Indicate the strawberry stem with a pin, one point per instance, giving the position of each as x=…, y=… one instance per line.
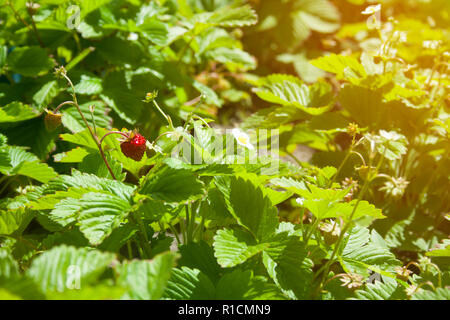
x=143, y=235
x=169, y=120
x=62, y=104
x=113, y=132
x=94, y=136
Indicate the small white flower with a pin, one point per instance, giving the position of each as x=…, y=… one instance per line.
x=391, y=135
x=300, y=201
x=434, y=83
x=133, y=36
x=372, y=9
x=154, y=146
x=431, y=44
x=412, y=289
x=400, y=36
x=242, y=138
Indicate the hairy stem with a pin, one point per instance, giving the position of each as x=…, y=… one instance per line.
x=169, y=120
x=33, y=24
x=63, y=104
x=94, y=136
x=310, y=233
x=338, y=244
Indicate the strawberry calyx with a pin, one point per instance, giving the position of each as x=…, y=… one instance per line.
x=52, y=120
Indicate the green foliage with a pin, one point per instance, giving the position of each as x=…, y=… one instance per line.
x=146, y=280
x=288, y=90
x=29, y=61
x=53, y=269
x=381, y=291
x=137, y=190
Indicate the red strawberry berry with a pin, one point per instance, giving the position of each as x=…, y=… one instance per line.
x=134, y=147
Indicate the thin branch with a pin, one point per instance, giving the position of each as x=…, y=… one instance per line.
x=94, y=136
x=30, y=13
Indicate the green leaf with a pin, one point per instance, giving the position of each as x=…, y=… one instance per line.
x=90, y=6
x=58, y=269
x=242, y=285
x=118, y=238
x=71, y=237
x=192, y=284
x=146, y=280
x=233, y=17
x=119, y=95
x=94, y=164
x=3, y=140
x=439, y=294
x=364, y=105
x=18, y=155
x=189, y=284
x=289, y=184
x=93, y=292
x=440, y=250
x=16, y=161
x=216, y=38
x=200, y=256
x=33, y=134
x=154, y=30
x=252, y=209
x=90, y=182
x=342, y=66
x=290, y=91
x=210, y=96
x=153, y=210
x=287, y=264
x=3, y=54
x=276, y=197
x=305, y=70
x=119, y=52
x=232, y=57
x=363, y=253
x=14, y=220
x=8, y=266
x=29, y=61
x=317, y=15
x=233, y=247
x=20, y=288
x=261, y=288
x=82, y=138
x=46, y=93
x=7, y=295
x=89, y=85
x=364, y=209
x=48, y=201
x=36, y=170
x=100, y=213
x=322, y=202
x=80, y=57
x=381, y=291
x=16, y=111
x=96, y=213
x=75, y=155
x=72, y=120
x=172, y=185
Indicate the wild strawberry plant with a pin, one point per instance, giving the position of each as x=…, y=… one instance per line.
x=224, y=150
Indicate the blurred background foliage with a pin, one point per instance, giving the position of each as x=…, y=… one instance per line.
x=306, y=67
